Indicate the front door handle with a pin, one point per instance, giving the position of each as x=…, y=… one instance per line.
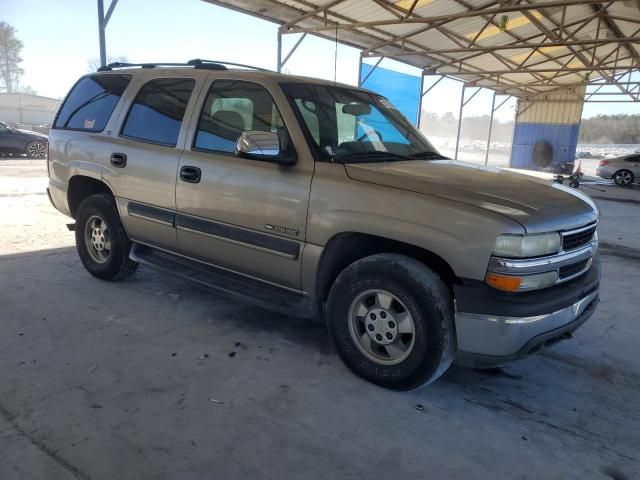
x=190, y=174
x=119, y=160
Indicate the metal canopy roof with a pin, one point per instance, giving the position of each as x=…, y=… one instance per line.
x=523, y=48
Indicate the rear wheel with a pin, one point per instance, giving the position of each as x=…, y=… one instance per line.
x=623, y=178
x=102, y=243
x=391, y=320
x=36, y=150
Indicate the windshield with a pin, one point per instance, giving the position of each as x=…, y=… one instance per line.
x=351, y=125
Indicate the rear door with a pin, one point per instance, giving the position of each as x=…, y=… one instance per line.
x=245, y=215
x=144, y=154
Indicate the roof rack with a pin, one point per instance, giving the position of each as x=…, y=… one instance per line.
x=195, y=63
x=204, y=63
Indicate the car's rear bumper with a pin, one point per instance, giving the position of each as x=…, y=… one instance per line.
x=520, y=323
x=604, y=173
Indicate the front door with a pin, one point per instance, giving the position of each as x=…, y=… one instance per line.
x=248, y=216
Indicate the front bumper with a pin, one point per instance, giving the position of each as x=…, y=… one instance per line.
x=520, y=323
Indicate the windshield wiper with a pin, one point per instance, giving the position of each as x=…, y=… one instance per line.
x=428, y=156
x=374, y=155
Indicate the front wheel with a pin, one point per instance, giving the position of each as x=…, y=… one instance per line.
x=391, y=320
x=102, y=243
x=623, y=178
x=36, y=149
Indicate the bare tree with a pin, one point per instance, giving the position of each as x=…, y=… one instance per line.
x=10, y=48
x=94, y=63
x=26, y=89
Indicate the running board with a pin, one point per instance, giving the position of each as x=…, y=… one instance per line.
x=232, y=284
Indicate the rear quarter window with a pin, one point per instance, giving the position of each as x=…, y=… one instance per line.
x=91, y=102
x=157, y=111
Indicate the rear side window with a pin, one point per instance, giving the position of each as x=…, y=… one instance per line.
x=156, y=113
x=91, y=102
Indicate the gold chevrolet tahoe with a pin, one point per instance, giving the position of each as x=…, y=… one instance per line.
x=321, y=200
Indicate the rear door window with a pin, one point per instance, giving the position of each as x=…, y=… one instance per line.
x=91, y=102
x=157, y=112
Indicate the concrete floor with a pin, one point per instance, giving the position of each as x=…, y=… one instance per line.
x=155, y=379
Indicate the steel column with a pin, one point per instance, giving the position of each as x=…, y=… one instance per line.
x=420, y=102
x=464, y=87
x=493, y=109
x=279, y=60
x=101, y=35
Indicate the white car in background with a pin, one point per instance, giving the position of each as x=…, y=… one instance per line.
x=623, y=170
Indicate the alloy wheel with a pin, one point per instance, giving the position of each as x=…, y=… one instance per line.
x=97, y=239
x=381, y=327
x=37, y=150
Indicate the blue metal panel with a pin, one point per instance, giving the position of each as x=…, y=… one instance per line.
x=563, y=139
x=402, y=90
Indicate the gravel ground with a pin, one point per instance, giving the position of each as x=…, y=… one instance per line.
x=152, y=378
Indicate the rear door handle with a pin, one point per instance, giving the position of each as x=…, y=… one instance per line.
x=190, y=174
x=119, y=160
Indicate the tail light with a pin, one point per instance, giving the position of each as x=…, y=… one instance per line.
x=603, y=163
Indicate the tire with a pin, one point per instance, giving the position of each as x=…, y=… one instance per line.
x=574, y=184
x=36, y=149
x=411, y=357
x=623, y=178
x=102, y=243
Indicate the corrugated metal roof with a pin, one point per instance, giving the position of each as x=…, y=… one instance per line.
x=527, y=49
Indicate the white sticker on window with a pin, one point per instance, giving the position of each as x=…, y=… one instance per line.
x=89, y=123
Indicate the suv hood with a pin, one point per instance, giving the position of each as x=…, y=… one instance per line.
x=537, y=204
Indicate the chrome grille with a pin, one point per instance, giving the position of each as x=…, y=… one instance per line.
x=575, y=269
x=577, y=238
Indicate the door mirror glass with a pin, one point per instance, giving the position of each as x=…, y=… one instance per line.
x=256, y=145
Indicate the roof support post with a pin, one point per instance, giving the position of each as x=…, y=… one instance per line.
x=464, y=87
x=103, y=21
x=101, y=35
x=279, y=59
x=420, y=102
x=493, y=110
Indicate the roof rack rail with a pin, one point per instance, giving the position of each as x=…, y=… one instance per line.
x=195, y=63
x=191, y=63
x=199, y=61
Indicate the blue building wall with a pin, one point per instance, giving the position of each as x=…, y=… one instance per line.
x=402, y=90
x=562, y=137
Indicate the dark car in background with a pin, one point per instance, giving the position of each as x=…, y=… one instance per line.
x=14, y=141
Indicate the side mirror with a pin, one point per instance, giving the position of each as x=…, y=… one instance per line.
x=256, y=145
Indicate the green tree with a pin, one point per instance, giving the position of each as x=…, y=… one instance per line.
x=10, y=59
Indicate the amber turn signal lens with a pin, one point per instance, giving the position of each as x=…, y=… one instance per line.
x=504, y=282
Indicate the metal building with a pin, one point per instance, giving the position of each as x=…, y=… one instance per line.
x=23, y=108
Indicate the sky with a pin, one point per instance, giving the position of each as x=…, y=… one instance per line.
x=59, y=45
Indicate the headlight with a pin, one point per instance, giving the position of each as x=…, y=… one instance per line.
x=521, y=283
x=527, y=245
